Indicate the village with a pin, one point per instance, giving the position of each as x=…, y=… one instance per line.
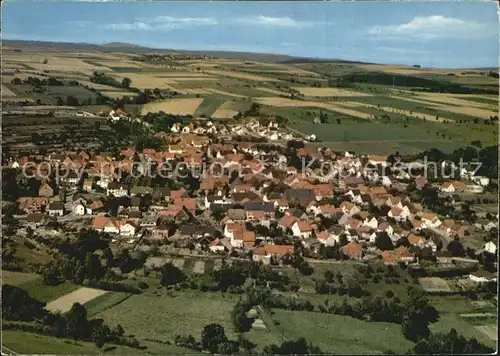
x=250, y=200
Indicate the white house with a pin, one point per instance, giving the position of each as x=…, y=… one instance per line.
x=398, y=213
x=127, y=229
x=175, y=127
x=56, y=208
x=490, y=247
x=117, y=189
x=302, y=229
x=430, y=220
x=111, y=226
x=373, y=222
x=80, y=207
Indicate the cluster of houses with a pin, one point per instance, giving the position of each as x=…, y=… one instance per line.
x=317, y=209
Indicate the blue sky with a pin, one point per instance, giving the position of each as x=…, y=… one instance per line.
x=439, y=34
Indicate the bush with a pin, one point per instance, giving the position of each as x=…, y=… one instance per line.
x=143, y=285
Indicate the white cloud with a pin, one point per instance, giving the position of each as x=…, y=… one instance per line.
x=185, y=20
x=79, y=23
x=128, y=26
x=285, y=22
x=162, y=23
x=430, y=27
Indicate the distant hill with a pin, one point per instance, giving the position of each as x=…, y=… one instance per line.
x=122, y=45
x=132, y=48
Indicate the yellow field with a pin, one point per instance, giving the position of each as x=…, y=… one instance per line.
x=271, y=91
x=280, y=70
x=17, y=278
x=217, y=91
x=225, y=111
x=174, y=106
x=122, y=63
x=239, y=75
x=455, y=99
x=196, y=91
x=81, y=295
x=6, y=92
x=328, y=92
x=453, y=104
x=63, y=64
x=12, y=66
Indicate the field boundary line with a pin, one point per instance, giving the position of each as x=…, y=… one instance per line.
x=112, y=305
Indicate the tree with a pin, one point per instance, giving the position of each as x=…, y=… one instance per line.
x=171, y=275
x=418, y=314
x=456, y=248
x=126, y=82
x=450, y=343
x=218, y=214
x=384, y=242
x=403, y=241
x=72, y=101
x=476, y=143
x=212, y=337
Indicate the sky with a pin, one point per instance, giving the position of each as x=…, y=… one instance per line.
x=437, y=34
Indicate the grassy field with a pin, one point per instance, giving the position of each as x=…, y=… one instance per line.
x=378, y=136
x=18, y=278
x=105, y=301
x=208, y=106
x=341, y=334
x=450, y=308
x=168, y=314
x=28, y=343
x=49, y=97
x=38, y=290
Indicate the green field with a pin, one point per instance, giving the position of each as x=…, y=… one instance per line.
x=450, y=308
x=33, y=284
x=49, y=96
x=208, y=106
x=38, y=290
x=381, y=137
x=105, y=301
x=28, y=343
x=168, y=314
x=341, y=334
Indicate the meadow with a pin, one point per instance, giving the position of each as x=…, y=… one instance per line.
x=341, y=334
x=165, y=314
x=29, y=343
